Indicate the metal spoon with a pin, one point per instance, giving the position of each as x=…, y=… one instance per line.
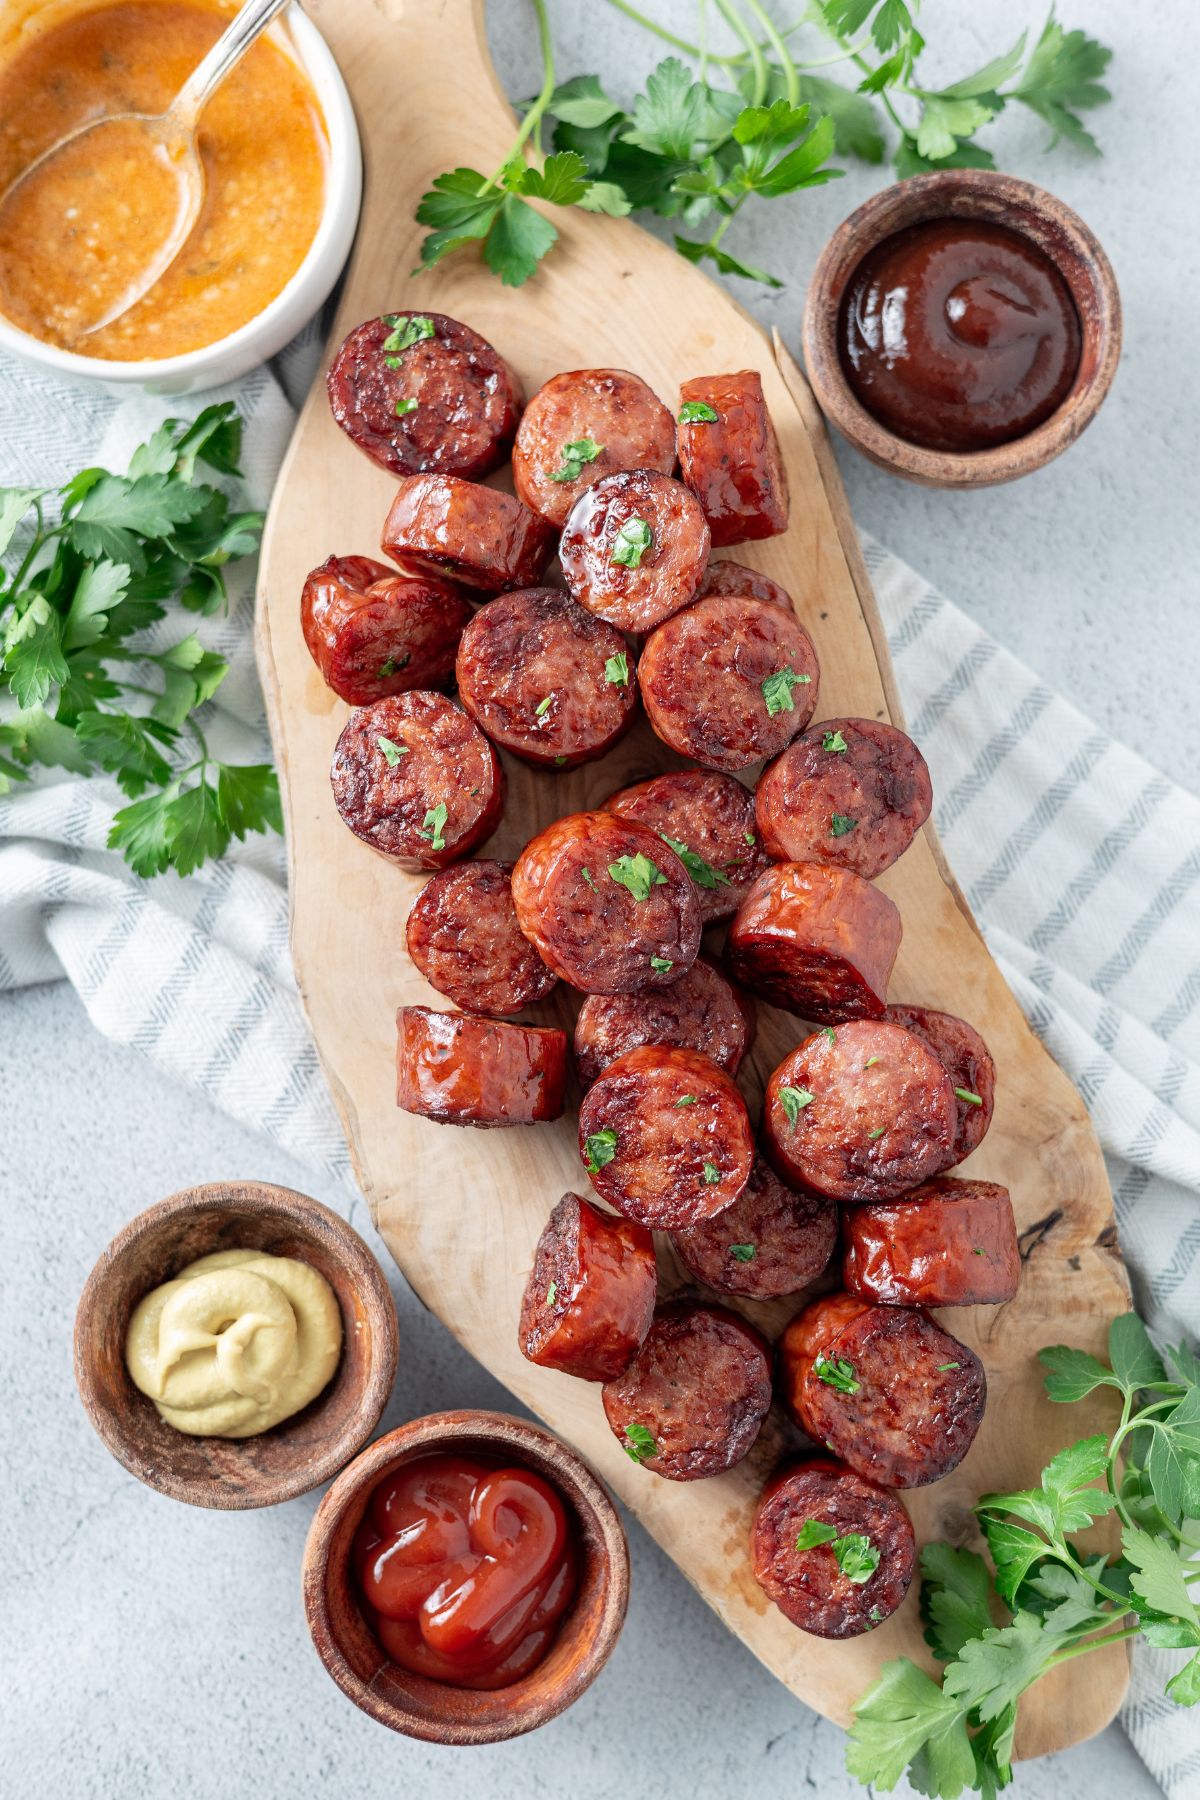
x=171, y=136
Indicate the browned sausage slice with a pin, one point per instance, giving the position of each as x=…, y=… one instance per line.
x=417, y=780
x=862, y=1112
x=583, y=425
x=607, y=905
x=692, y=1401
x=708, y=820
x=702, y=1011
x=473, y=534
x=725, y=576
x=634, y=549
x=947, y=1243
x=851, y=792
x=771, y=1241
x=666, y=1138
x=882, y=1387
x=420, y=392
x=818, y=941
x=545, y=679
x=372, y=632
x=589, y=1299
x=458, y=1069
x=463, y=936
x=729, y=681
x=968, y=1062
x=835, y=1553
x=729, y=456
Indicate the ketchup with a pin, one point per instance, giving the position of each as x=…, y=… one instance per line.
x=958, y=335
x=466, y=1569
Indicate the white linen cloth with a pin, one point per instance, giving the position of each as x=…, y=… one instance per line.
x=1080, y=860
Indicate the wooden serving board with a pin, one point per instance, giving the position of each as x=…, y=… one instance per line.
x=462, y=1210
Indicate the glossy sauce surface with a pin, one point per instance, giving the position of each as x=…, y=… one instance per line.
x=466, y=1569
x=262, y=143
x=958, y=335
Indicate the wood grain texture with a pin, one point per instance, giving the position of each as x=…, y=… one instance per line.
x=462, y=1210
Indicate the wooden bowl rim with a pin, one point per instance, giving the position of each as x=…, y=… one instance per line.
x=312, y=1219
x=490, y=1431
x=954, y=192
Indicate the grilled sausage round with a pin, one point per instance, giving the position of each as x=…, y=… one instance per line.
x=835, y=1553
x=820, y=942
x=732, y=462
x=416, y=780
x=851, y=792
x=729, y=681
x=861, y=1113
x=582, y=426
x=589, y=1299
x=724, y=576
x=634, y=548
x=947, y=1243
x=463, y=936
x=607, y=905
x=702, y=1011
x=771, y=1241
x=462, y=1070
x=968, y=1062
x=372, y=632
x=545, y=679
x=883, y=1388
x=692, y=1401
x=708, y=820
x=473, y=534
x=665, y=1137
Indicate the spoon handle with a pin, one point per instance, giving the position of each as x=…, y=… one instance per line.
x=251, y=21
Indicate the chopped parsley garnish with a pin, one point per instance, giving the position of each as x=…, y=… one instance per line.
x=943, y=1367
x=638, y=874
x=877, y=1133
x=435, y=819
x=404, y=407
x=837, y=1373
x=834, y=741
x=840, y=824
x=392, y=664
x=407, y=332
x=543, y=706
x=551, y=1293
x=601, y=1147
x=631, y=543
x=793, y=1101
x=970, y=1098
x=697, y=412
x=777, y=690
x=587, y=876
x=830, y=1033
x=814, y=1532
x=749, y=837
x=857, y=1557
x=660, y=964
x=870, y=1062
x=393, y=752
x=701, y=872
x=711, y=1174
x=616, y=670
x=743, y=1252
x=574, y=455
x=686, y=1100
x=560, y=762
x=977, y=1251
x=639, y=1443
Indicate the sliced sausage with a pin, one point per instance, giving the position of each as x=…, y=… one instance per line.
x=771, y=1241
x=462, y=1070
x=883, y=1388
x=727, y=577
x=607, y=905
x=708, y=820
x=968, y=1062
x=947, y=1243
x=692, y=1401
x=702, y=1011
x=463, y=936
x=419, y=392
x=582, y=426
x=820, y=942
x=417, y=780
x=732, y=462
x=485, y=539
x=835, y=1553
x=589, y=1299
x=545, y=679
x=863, y=1112
x=851, y=792
x=372, y=632
x=730, y=681
x=634, y=548
x=666, y=1138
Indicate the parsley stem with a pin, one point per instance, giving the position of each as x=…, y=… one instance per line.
x=753, y=49
x=791, y=80
x=702, y=40
x=203, y=743
x=531, y=124
x=660, y=31
x=1095, y=1643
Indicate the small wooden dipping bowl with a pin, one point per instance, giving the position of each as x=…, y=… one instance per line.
x=979, y=194
x=434, y=1710
x=292, y=1457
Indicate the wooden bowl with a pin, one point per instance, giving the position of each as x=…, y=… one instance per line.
x=433, y=1710
x=999, y=200
x=292, y=1457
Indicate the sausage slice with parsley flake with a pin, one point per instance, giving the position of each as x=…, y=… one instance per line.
x=708, y=820
x=771, y=1241
x=581, y=426
x=852, y=792
x=729, y=456
x=968, y=1062
x=372, y=632
x=702, y=1011
x=835, y=1553
x=590, y=1296
x=634, y=549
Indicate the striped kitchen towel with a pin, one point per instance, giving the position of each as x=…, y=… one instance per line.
x=1080, y=860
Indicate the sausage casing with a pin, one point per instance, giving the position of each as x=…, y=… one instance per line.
x=835, y=1553
x=590, y=1296
x=947, y=1243
x=820, y=942
x=732, y=463
x=445, y=526
x=459, y=1069
x=702, y=1011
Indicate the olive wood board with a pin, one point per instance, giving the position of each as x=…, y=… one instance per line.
x=461, y=1210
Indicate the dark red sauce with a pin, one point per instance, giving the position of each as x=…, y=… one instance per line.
x=958, y=335
x=466, y=1569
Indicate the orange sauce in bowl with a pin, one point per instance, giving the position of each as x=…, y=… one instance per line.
x=264, y=150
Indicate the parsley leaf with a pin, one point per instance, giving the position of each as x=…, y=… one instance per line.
x=392, y=752
x=601, y=1147
x=408, y=331
x=1061, y=80
x=903, y=1716
x=743, y=1253
x=712, y=1174
x=837, y=1373
x=638, y=874
x=777, y=690
x=639, y=1443
x=575, y=455
x=793, y=1101
x=857, y=1557
x=697, y=412
x=661, y=964
x=631, y=543
x=813, y=1532
x=701, y=872
x=672, y=113
x=841, y=824
x=616, y=670
x=432, y=827
x=834, y=742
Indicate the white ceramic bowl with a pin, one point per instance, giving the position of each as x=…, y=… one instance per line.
x=293, y=306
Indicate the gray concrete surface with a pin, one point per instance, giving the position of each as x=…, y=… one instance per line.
x=154, y=1650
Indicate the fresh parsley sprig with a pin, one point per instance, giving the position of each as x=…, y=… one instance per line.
x=94, y=564
x=1044, y=1600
